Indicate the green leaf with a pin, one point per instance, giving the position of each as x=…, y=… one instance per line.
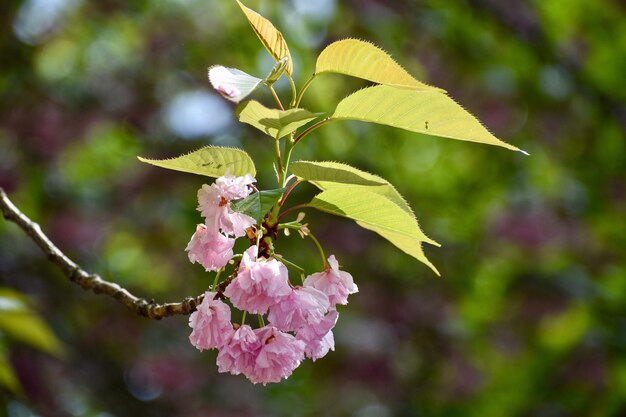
x=21, y=323
x=427, y=112
x=7, y=376
x=364, y=60
x=326, y=175
x=274, y=122
x=212, y=161
x=377, y=213
x=232, y=83
x=258, y=204
x=269, y=36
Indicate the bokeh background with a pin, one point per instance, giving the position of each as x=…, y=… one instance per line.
x=529, y=317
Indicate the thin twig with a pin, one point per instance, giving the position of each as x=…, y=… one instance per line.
x=89, y=281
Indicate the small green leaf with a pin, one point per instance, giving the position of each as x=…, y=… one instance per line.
x=269, y=36
x=258, y=204
x=364, y=60
x=377, y=213
x=428, y=112
x=21, y=323
x=274, y=122
x=326, y=175
x=231, y=83
x=211, y=161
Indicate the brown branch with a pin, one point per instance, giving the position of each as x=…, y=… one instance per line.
x=89, y=281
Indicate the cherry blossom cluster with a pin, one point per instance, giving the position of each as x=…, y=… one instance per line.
x=300, y=318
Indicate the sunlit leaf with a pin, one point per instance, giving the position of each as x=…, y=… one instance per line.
x=326, y=175
x=211, y=161
x=231, y=83
x=22, y=324
x=258, y=204
x=271, y=38
x=364, y=60
x=274, y=122
x=427, y=112
x=377, y=213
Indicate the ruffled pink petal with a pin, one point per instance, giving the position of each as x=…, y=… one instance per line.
x=279, y=355
x=318, y=339
x=212, y=250
x=234, y=188
x=239, y=354
x=336, y=284
x=259, y=284
x=214, y=205
x=210, y=323
x=305, y=306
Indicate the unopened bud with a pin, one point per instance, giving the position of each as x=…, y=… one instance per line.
x=277, y=71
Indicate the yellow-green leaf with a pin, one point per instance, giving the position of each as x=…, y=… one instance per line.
x=8, y=379
x=326, y=175
x=274, y=122
x=270, y=37
x=21, y=323
x=428, y=112
x=377, y=213
x=212, y=161
x=364, y=60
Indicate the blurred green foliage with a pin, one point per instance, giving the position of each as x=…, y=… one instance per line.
x=529, y=318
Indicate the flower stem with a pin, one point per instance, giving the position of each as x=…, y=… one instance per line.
x=319, y=247
x=215, y=281
x=243, y=317
x=289, y=263
x=261, y=321
x=297, y=226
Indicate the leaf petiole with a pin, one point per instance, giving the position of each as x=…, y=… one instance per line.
x=311, y=128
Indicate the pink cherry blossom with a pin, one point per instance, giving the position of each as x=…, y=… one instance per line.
x=212, y=250
x=259, y=283
x=305, y=306
x=228, y=91
x=214, y=204
x=334, y=283
x=210, y=323
x=234, y=188
x=279, y=355
x=319, y=338
x=240, y=353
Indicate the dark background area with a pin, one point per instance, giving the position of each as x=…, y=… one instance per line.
x=529, y=316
